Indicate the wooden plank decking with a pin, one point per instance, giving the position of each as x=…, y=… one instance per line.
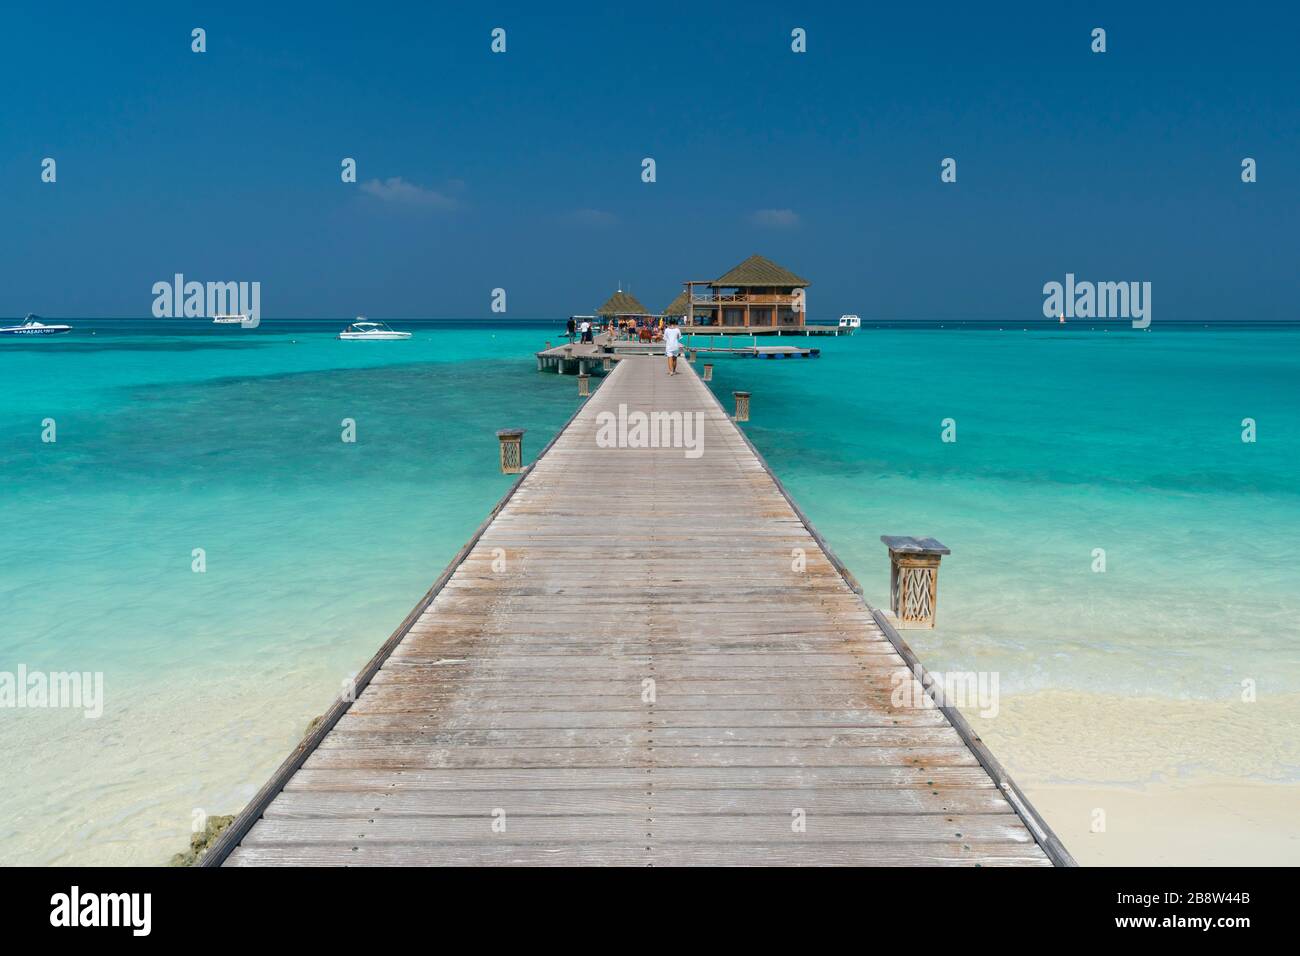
x=513, y=720
x=589, y=357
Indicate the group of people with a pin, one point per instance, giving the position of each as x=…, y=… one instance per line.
x=656, y=331
x=583, y=329
x=648, y=329
x=669, y=334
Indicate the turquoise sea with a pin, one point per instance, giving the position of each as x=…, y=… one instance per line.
x=1068, y=440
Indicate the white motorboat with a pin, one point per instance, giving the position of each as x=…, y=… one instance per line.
x=229, y=319
x=32, y=325
x=364, y=331
x=850, y=322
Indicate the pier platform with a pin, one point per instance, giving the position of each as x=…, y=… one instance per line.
x=589, y=357
x=642, y=658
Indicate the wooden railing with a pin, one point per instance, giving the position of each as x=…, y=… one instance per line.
x=771, y=299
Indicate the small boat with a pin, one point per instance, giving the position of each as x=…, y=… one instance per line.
x=1061, y=318
x=32, y=325
x=850, y=322
x=362, y=330
x=229, y=319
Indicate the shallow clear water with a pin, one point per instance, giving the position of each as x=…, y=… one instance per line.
x=1067, y=441
x=229, y=441
x=315, y=549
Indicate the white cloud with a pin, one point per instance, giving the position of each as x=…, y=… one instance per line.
x=398, y=191
x=775, y=218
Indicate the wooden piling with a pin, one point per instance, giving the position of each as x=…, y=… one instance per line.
x=512, y=450
x=914, y=578
x=708, y=371
x=584, y=385
x=742, y=406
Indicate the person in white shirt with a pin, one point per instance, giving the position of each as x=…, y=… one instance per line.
x=585, y=329
x=672, y=345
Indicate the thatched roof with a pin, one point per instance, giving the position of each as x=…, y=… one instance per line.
x=761, y=272
x=622, y=303
x=678, y=307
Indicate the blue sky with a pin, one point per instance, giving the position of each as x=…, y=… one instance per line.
x=522, y=170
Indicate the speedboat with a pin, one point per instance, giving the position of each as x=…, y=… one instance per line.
x=32, y=325
x=362, y=330
x=850, y=322
x=229, y=319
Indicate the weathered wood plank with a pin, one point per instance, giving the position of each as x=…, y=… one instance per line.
x=438, y=719
x=434, y=757
x=401, y=697
x=349, y=737
x=642, y=854
x=823, y=800
x=783, y=827
x=660, y=779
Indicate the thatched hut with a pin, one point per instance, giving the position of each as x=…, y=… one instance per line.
x=622, y=305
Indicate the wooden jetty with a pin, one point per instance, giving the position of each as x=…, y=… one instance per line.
x=642, y=658
x=738, y=351
x=577, y=358
x=582, y=358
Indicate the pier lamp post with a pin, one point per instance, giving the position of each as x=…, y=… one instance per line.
x=742, y=406
x=512, y=450
x=914, y=578
x=584, y=385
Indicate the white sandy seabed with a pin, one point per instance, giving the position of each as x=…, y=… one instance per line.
x=1163, y=782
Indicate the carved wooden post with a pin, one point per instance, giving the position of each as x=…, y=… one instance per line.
x=609, y=363
x=584, y=385
x=742, y=406
x=914, y=578
x=690, y=356
x=512, y=450
x=708, y=372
